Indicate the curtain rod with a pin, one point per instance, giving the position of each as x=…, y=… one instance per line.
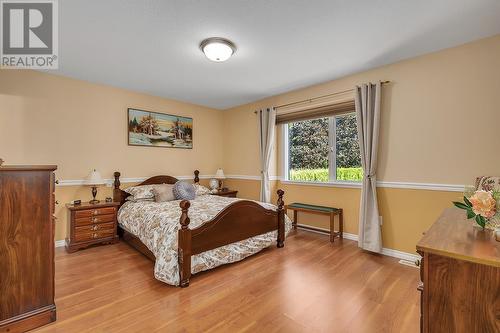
x=318, y=97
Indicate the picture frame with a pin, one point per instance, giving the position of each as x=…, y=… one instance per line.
x=154, y=129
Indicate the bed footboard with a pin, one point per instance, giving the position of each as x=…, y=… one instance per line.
x=238, y=221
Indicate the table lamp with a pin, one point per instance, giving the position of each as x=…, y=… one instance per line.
x=219, y=175
x=94, y=179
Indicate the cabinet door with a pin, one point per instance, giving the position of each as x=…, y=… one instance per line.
x=463, y=296
x=26, y=242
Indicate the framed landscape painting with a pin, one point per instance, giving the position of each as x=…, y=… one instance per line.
x=153, y=129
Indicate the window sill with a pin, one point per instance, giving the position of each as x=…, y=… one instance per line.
x=340, y=184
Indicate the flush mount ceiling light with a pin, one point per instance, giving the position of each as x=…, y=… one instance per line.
x=217, y=49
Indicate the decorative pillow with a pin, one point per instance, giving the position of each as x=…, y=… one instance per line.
x=200, y=189
x=142, y=192
x=164, y=192
x=488, y=183
x=184, y=191
x=131, y=198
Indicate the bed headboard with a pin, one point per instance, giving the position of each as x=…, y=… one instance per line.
x=119, y=195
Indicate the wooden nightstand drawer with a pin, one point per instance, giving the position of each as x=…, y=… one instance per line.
x=94, y=219
x=95, y=227
x=94, y=212
x=95, y=235
x=90, y=224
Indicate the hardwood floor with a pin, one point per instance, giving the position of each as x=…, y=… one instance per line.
x=310, y=285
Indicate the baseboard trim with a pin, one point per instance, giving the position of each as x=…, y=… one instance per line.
x=385, y=251
x=353, y=237
x=401, y=255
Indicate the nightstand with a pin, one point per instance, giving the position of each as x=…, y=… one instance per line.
x=90, y=224
x=228, y=194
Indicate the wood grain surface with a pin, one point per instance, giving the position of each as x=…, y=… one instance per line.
x=26, y=247
x=460, y=271
x=310, y=285
x=456, y=237
x=463, y=296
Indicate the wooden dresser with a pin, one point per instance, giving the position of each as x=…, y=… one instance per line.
x=460, y=273
x=26, y=247
x=90, y=224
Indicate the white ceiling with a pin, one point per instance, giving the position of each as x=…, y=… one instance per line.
x=152, y=46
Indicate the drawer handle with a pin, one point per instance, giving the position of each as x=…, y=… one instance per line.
x=95, y=227
x=95, y=219
x=95, y=212
x=94, y=235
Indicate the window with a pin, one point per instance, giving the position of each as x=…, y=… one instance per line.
x=323, y=150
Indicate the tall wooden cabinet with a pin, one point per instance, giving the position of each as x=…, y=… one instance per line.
x=26, y=247
x=460, y=273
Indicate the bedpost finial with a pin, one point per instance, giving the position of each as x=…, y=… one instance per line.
x=280, y=198
x=185, y=204
x=196, y=176
x=184, y=219
x=117, y=179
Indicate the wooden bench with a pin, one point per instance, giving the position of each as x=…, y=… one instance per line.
x=323, y=210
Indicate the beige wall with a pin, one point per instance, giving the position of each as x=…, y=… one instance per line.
x=439, y=125
x=47, y=119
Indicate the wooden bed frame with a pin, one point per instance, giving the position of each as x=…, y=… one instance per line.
x=238, y=221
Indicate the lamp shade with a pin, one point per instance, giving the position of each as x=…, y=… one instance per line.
x=94, y=178
x=220, y=174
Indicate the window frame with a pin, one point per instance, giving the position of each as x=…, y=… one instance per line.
x=332, y=158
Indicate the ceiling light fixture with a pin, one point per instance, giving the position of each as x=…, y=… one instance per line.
x=217, y=49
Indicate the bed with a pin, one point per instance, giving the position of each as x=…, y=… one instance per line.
x=187, y=237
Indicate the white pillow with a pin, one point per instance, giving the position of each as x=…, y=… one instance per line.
x=164, y=192
x=200, y=189
x=139, y=193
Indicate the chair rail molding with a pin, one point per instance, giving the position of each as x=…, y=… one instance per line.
x=339, y=184
x=109, y=182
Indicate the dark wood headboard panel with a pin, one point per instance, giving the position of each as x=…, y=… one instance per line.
x=119, y=195
x=159, y=180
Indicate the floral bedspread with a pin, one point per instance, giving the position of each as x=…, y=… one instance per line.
x=156, y=225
